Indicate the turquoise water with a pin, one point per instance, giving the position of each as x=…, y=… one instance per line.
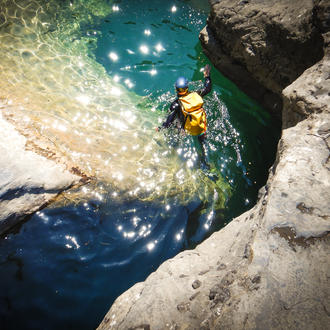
x=64, y=267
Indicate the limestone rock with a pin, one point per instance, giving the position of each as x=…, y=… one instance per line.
x=263, y=45
x=267, y=269
x=27, y=180
x=309, y=94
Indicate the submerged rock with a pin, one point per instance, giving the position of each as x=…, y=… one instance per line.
x=28, y=181
x=267, y=269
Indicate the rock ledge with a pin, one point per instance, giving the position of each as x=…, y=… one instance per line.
x=28, y=181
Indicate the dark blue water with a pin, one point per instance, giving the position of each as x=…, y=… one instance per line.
x=64, y=267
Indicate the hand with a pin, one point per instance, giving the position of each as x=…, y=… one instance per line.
x=206, y=71
x=157, y=129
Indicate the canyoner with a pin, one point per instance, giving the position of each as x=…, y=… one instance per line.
x=188, y=109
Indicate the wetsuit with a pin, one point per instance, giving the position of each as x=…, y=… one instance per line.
x=177, y=112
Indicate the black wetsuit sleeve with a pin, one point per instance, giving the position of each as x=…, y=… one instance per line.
x=207, y=87
x=175, y=112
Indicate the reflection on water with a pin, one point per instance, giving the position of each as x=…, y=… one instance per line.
x=59, y=91
x=92, y=79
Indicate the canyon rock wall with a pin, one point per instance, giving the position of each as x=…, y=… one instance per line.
x=268, y=268
x=263, y=46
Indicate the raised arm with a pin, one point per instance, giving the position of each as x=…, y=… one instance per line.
x=207, y=82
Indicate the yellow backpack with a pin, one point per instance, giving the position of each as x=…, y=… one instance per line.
x=194, y=114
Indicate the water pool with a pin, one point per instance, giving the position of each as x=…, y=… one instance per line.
x=95, y=78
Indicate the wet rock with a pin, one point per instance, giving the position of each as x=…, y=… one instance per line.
x=28, y=181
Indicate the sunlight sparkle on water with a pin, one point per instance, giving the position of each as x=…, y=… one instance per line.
x=118, y=125
x=115, y=8
x=178, y=236
x=73, y=240
x=153, y=72
x=129, y=115
x=136, y=221
x=59, y=127
x=128, y=83
x=84, y=99
x=147, y=32
x=43, y=216
x=159, y=47
x=190, y=163
x=210, y=216
x=151, y=246
x=84, y=190
x=130, y=234
x=113, y=56
x=144, y=49
x=120, y=176
x=98, y=196
x=115, y=91
x=173, y=9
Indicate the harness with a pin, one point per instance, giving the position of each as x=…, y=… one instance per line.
x=194, y=115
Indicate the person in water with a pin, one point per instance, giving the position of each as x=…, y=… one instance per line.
x=188, y=108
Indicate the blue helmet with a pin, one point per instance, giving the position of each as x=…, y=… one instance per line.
x=181, y=85
x=181, y=82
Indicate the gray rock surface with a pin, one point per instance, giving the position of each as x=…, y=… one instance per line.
x=262, y=45
x=28, y=181
x=268, y=268
x=309, y=94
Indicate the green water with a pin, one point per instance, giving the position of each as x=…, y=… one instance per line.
x=93, y=79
